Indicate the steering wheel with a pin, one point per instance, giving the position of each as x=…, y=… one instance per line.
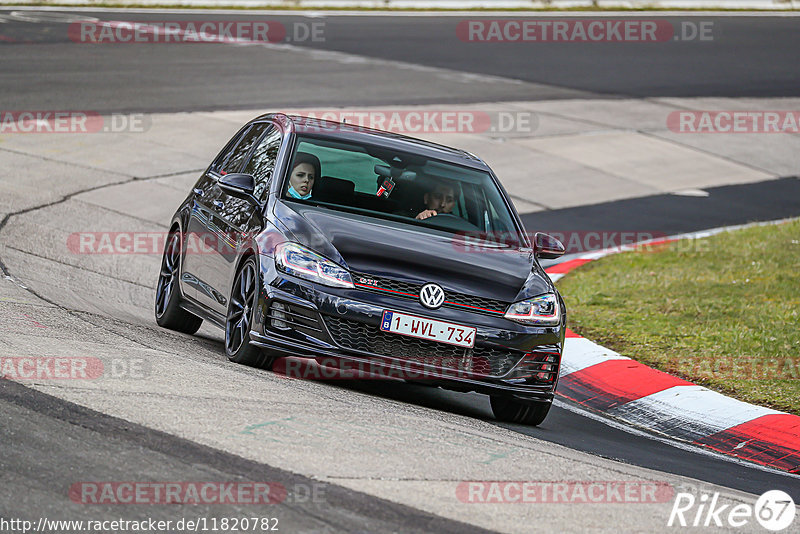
x=452, y=221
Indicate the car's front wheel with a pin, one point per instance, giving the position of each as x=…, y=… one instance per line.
x=513, y=411
x=169, y=313
x=237, y=321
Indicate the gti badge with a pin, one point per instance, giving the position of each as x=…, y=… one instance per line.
x=431, y=296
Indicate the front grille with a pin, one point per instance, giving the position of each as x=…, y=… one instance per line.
x=461, y=300
x=478, y=361
x=393, y=285
x=411, y=290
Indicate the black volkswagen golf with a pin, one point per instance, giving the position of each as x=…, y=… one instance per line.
x=316, y=239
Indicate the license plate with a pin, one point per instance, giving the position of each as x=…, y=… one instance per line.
x=431, y=329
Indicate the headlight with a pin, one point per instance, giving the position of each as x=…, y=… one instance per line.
x=301, y=262
x=541, y=310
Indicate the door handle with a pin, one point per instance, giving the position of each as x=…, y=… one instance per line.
x=197, y=191
x=218, y=204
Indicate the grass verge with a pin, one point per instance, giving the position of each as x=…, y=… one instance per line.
x=723, y=311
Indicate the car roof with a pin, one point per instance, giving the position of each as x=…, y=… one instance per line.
x=362, y=134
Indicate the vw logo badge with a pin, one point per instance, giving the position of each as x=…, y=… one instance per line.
x=431, y=296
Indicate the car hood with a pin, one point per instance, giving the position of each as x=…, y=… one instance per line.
x=394, y=250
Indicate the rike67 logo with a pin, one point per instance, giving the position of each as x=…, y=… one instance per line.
x=774, y=510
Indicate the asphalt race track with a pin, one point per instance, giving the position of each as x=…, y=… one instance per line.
x=189, y=77
x=184, y=423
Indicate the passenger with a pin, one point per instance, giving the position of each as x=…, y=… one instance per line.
x=305, y=171
x=440, y=199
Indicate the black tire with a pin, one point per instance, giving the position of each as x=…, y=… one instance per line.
x=239, y=319
x=168, y=311
x=513, y=411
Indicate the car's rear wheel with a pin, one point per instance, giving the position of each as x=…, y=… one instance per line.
x=237, y=321
x=513, y=411
x=169, y=313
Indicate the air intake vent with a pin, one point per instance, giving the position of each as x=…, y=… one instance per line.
x=285, y=316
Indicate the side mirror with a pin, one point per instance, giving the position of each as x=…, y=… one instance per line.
x=239, y=185
x=547, y=247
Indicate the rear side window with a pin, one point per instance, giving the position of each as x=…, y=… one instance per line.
x=225, y=155
x=232, y=159
x=262, y=163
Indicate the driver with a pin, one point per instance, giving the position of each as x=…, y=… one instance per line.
x=440, y=199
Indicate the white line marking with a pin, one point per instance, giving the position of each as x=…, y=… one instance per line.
x=49, y=17
x=581, y=353
x=691, y=193
x=693, y=411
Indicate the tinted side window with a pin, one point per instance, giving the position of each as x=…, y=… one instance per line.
x=234, y=163
x=222, y=160
x=262, y=163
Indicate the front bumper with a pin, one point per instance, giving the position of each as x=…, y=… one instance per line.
x=298, y=318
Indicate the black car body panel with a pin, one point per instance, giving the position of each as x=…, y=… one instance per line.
x=388, y=261
x=398, y=251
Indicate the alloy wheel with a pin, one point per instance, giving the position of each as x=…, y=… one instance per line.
x=237, y=324
x=168, y=275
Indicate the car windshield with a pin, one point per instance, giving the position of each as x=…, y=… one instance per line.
x=403, y=187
